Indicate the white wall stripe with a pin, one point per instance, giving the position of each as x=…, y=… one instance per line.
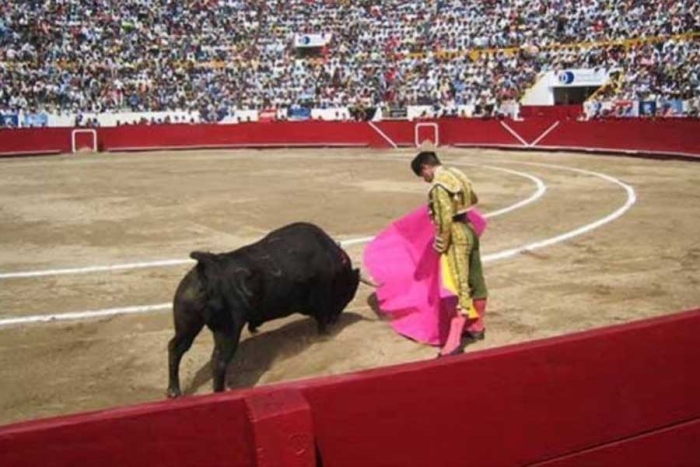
x=514, y=133
x=383, y=135
x=546, y=132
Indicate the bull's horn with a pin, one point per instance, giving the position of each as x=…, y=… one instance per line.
x=368, y=281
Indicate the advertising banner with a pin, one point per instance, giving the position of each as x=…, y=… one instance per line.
x=672, y=108
x=647, y=108
x=298, y=113
x=625, y=108
x=311, y=40
x=395, y=113
x=9, y=120
x=268, y=115
x=579, y=77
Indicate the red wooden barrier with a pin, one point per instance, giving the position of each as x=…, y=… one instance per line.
x=210, y=431
x=520, y=404
x=556, y=112
x=268, y=134
x=22, y=141
x=282, y=427
x=674, y=446
x=619, y=395
x=669, y=136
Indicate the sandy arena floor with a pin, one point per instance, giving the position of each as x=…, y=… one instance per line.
x=89, y=210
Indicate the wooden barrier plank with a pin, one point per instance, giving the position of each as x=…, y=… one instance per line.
x=203, y=431
x=677, y=446
x=633, y=136
x=282, y=428
x=515, y=405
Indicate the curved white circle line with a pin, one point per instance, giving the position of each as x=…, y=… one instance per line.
x=541, y=189
x=631, y=199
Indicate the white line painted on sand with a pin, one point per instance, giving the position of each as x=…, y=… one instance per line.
x=541, y=188
x=631, y=199
x=85, y=270
x=106, y=313
x=84, y=314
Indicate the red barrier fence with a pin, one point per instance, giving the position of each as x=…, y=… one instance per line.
x=622, y=395
x=669, y=136
x=559, y=112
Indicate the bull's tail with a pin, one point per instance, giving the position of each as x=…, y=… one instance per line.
x=201, y=256
x=206, y=268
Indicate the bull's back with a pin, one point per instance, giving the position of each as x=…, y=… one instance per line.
x=301, y=247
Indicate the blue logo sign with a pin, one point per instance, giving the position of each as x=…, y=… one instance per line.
x=306, y=40
x=647, y=108
x=566, y=77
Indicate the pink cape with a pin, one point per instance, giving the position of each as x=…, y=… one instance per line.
x=402, y=260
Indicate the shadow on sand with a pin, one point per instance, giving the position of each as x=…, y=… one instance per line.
x=256, y=354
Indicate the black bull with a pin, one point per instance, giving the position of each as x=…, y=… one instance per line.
x=297, y=268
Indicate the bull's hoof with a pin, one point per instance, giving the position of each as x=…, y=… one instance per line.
x=173, y=393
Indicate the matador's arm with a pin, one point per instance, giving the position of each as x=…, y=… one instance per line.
x=442, y=213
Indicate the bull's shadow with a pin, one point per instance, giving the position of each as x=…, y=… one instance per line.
x=256, y=353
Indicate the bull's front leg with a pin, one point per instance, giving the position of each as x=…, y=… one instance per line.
x=225, y=345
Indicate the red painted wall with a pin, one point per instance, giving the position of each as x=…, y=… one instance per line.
x=679, y=136
x=519, y=404
x=623, y=395
x=561, y=112
x=34, y=141
x=210, y=431
x=669, y=136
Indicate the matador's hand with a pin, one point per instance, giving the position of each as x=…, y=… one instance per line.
x=466, y=308
x=439, y=245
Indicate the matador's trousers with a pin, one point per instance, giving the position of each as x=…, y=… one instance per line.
x=464, y=259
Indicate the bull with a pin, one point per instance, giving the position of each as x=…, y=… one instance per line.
x=297, y=268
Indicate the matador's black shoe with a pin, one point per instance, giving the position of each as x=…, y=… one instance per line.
x=469, y=337
x=457, y=351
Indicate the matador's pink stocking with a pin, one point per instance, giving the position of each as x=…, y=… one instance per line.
x=454, y=338
x=477, y=325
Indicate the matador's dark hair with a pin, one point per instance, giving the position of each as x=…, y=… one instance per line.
x=424, y=158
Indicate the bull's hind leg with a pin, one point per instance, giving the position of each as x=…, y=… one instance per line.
x=186, y=329
x=225, y=345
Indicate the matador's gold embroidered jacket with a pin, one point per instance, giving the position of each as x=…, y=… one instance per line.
x=451, y=195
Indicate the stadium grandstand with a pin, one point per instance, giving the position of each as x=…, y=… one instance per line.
x=68, y=62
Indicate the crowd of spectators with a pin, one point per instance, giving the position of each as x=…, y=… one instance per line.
x=214, y=56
